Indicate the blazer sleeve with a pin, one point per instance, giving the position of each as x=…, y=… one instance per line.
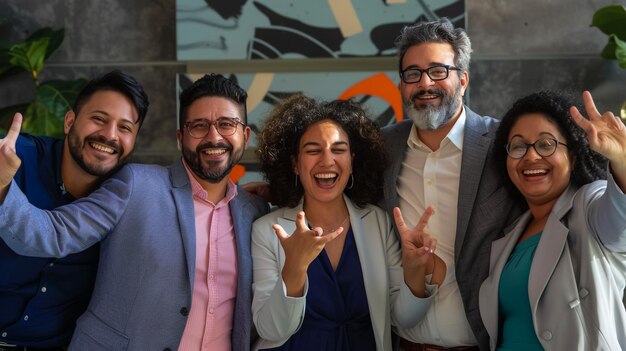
x=606, y=215
x=68, y=229
x=275, y=315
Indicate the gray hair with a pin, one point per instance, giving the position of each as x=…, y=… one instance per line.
x=439, y=31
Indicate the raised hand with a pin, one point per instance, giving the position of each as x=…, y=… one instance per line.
x=301, y=248
x=606, y=132
x=417, y=244
x=9, y=162
x=606, y=135
x=418, y=258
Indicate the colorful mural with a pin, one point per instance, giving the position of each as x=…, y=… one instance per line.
x=377, y=91
x=264, y=29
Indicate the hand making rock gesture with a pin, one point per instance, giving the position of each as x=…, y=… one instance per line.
x=301, y=248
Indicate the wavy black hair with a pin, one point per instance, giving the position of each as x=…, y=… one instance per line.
x=118, y=81
x=588, y=164
x=279, y=143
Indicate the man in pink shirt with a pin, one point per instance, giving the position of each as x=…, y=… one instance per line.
x=175, y=270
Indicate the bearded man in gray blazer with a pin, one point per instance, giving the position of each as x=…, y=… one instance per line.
x=441, y=157
x=175, y=267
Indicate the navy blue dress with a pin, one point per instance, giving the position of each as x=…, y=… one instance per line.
x=337, y=315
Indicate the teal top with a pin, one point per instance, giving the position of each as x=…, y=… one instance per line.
x=516, y=328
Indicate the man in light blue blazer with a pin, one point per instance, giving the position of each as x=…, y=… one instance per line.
x=151, y=221
x=441, y=157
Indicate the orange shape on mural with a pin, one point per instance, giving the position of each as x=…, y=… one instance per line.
x=381, y=86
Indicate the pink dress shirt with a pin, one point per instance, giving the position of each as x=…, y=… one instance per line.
x=210, y=320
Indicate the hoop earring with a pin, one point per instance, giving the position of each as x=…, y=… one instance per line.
x=296, y=182
x=351, y=181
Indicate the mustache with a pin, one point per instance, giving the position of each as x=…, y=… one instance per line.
x=438, y=92
x=210, y=145
x=104, y=141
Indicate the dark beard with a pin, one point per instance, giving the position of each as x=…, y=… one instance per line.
x=209, y=173
x=98, y=170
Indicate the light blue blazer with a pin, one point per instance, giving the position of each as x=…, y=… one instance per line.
x=485, y=207
x=144, y=218
x=578, y=274
x=390, y=301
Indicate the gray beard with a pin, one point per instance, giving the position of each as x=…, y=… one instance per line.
x=433, y=117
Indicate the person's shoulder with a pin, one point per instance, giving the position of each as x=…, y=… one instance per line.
x=258, y=203
x=471, y=117
x=396, y=127
x=30, y=143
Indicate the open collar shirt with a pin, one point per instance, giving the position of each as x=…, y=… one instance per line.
x=210, y=320
x=431, y=178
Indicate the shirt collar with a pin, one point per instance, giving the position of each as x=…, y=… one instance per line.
x=198, y=191
x=455, y=135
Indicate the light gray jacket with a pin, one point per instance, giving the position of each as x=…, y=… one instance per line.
x=578, y=273
x=390, y=301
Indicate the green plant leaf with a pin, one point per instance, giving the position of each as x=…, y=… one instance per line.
x=29, y=55
x=620, y=51
x=58, y=96
x=55, y=38
x=611, y=19
x=609, y=50
x=39, y=121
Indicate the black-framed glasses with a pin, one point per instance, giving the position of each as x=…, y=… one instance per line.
x=438, y=72
x=226, y=126
x=544, y=147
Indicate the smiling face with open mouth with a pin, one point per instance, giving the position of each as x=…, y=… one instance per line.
x=541, y=180
x=432, y=103
x=324, y=162
x=102, y=136
x=212, y=157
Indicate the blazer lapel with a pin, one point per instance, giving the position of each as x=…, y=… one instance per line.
x=181, y=192
x=396, y=144
x=500, y=251
x=365, y=227
x=550, y=248
x=475, y=148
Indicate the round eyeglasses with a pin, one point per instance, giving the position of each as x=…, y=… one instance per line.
x=544, y=147
x=438, y=72
x=226, y=126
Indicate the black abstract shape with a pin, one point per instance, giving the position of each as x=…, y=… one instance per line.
x=384, y=35
x=227, y=9
x=286, y=35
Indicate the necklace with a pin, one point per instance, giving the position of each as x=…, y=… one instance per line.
x=327, y=230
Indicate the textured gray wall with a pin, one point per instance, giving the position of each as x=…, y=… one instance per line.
x=519, y=47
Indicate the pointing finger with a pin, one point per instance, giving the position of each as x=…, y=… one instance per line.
x=14, y=130
x=301, y=222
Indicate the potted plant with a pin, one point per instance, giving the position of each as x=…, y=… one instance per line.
x=45, y=114
x=611, y=20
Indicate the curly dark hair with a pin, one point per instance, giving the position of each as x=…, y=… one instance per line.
x=279, y=143
x=588, y=164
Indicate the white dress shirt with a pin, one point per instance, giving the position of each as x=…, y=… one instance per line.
x=431, y=178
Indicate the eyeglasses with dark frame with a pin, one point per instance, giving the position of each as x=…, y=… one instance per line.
x=226, y=126
x=435, y=73
x=544, y=147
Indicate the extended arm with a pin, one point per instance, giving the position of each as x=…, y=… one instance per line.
x=72, y=228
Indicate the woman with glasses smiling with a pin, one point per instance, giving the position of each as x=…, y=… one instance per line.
x=559, y=274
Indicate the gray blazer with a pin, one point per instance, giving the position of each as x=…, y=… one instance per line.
x=144, y=218
x=578, y=274
x=485, y=207
x=389, y=299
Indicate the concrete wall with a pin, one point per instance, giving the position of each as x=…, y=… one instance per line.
x=519, y=47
